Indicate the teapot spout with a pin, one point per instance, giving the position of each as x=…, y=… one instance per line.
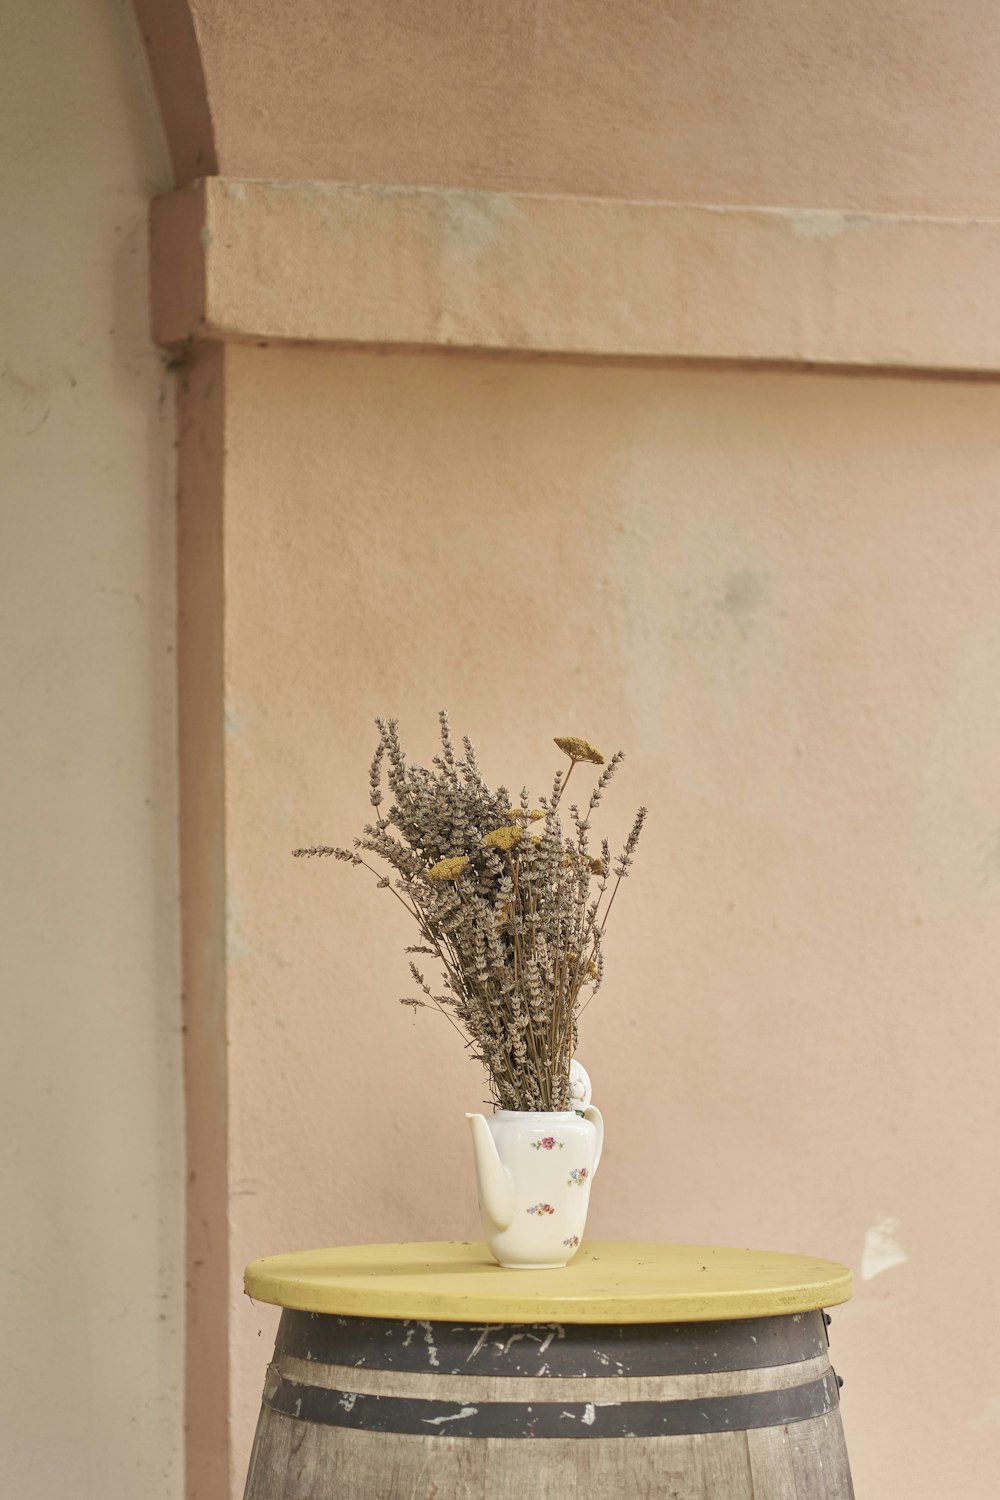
x=496, y=1186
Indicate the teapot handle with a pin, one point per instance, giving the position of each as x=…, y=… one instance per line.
x=593, y=1114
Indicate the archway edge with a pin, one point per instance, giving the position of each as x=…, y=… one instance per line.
x=170, y=33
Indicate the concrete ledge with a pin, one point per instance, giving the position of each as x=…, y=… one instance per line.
x=441, y=267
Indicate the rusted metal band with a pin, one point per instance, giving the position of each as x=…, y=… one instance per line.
x=552, y=1349
x=551, y=1419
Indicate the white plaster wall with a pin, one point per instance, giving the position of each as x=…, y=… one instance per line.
x=91, y=1129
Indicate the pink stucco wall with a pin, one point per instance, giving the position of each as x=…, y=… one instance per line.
x=829, y=104
x=777, y=592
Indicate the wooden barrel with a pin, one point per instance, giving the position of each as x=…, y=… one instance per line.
x=387, y=1407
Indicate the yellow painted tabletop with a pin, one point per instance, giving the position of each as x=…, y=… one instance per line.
x=607, y=1281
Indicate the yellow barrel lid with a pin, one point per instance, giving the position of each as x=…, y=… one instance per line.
x=607, y=1281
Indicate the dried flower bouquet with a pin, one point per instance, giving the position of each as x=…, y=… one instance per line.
x=512, y=907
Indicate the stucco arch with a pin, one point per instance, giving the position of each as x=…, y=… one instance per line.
x=170, y=32
x=835, y=104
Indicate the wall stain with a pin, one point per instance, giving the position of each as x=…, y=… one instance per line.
x=744, y=594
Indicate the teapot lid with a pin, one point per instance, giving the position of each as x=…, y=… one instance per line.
x=580, y=1090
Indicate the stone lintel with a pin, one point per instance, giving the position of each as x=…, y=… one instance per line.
x=411, y=267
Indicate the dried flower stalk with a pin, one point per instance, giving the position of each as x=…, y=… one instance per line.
x=516, y=921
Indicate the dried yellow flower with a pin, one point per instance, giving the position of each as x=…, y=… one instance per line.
x=448, y=869
x=502, y=838
x=578, y=749
x=517, y=815
x=590, y=969
x=574, y=857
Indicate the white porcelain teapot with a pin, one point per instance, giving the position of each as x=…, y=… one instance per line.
x=534, y=1170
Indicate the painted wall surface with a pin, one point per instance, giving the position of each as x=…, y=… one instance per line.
x=777, y=592
x=91, y=1127
x=838, y=103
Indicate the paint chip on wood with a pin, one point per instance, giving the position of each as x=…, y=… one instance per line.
x=467, y=1411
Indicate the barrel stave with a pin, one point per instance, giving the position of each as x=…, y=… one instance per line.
x=295, y=1460
x=819, y=1459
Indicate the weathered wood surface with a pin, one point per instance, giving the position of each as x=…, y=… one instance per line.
x=596, y=1388
x=297, y=1461
x=404, y=1411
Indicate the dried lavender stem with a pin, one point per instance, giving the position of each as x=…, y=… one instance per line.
x=508, y=914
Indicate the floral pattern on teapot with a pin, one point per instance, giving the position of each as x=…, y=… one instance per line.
x=547, y=1143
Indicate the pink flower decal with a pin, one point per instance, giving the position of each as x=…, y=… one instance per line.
x=541, y=1208
x=547, y=1143
x=577, y=1177
x=573, y=1241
